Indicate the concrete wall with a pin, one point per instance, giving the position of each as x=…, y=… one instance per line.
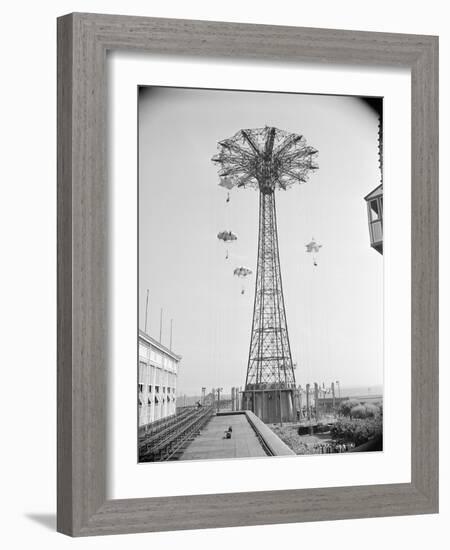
x=266, y=405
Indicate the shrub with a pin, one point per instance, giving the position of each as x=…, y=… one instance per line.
x=359, y=411
x=346, y=406
x=372, y=410
x=357, y=430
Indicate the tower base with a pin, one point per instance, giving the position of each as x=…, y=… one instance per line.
x=266, y=404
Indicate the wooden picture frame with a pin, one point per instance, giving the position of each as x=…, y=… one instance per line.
x=83, y=40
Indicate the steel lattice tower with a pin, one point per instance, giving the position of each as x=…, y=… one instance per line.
x=267, y=159
x=269, y=361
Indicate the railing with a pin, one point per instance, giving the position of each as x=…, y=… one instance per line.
x=155, y=424
x=223, y=404
x=170, y=439
x=158, y=425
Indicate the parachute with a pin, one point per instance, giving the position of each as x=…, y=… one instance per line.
x=227, y=237
x=228, y=184
x=314, y=248
x=242, y=272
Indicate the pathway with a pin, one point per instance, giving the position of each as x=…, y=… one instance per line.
x=211, y=443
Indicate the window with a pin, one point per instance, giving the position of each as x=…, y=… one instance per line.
x=141, y=388
x=374, y=210
x=168, y=390
x=149, y=401
x=157, y=389
x=164, y=389
x=149, y=389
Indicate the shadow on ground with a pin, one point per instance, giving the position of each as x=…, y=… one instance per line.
x=46, y=520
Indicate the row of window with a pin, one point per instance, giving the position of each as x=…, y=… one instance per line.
x=141, y=389
x=158, y=401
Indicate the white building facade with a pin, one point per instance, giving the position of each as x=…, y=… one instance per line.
x=157, y=381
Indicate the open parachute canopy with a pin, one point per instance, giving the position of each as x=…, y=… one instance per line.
x=242, y=271
x=313, y=246
x=227, y=236
x=226, y=182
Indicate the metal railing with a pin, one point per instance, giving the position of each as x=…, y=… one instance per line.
x=170, y=439
x=162, y=423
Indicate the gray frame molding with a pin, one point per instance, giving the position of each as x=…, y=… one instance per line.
x=83, y=40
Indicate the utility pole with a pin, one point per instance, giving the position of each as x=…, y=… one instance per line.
x=339, y=398
x=300, y=401
x=218, y=398
x=146, y=312
x=281, y=408
x=308, y=403
x=316, y=399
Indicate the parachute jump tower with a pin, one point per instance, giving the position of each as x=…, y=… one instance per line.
x=267, y=159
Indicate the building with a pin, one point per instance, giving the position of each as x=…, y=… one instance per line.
x=375, y=215
x=157, y=382
x=374, y=199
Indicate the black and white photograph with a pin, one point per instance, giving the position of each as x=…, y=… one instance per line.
x=260, y=267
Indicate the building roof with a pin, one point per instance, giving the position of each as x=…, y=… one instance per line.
x=375, y=193
x=154, y=343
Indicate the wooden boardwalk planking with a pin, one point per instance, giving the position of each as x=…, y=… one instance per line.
x=211, y=443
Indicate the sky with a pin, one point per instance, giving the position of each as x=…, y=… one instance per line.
x=334, y=311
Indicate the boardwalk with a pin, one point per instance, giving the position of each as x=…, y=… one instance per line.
x=211, y=442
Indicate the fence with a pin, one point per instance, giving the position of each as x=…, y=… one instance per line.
x=168, y=441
